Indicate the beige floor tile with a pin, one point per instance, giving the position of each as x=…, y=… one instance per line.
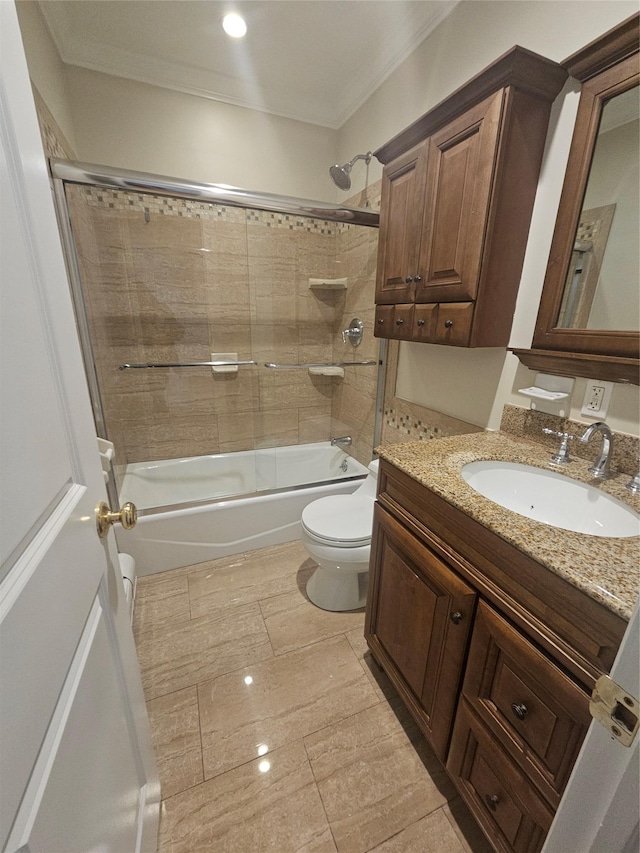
x=253, y=809
x=175, y=727
x=289, y=696
x=373, y=781
x=160, y=601
x=245, y=579
x=377, y=676
x=293, y=621
x=178, y=656
x=430, y=834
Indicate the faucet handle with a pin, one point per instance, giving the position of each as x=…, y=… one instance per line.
x=634, y=484
x=562, y=455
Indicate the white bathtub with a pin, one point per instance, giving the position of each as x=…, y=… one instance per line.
x=218, y=523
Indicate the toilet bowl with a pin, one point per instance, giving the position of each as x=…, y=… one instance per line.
x=336, y=531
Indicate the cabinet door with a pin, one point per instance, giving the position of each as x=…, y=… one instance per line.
x=403, y=183
x=460, y=167
x=418, y=619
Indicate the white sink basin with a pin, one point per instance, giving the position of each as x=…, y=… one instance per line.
x=552, y=498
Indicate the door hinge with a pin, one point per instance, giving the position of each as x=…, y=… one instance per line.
x=615, y=709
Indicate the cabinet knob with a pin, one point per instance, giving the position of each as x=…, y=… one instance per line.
x=520, y=710
x=417, y=278
x=408, y=279
x=492, y=801
x=399, y=322
x=421, y=322
x=380, y=321
x=456, y=617
x=448, y=324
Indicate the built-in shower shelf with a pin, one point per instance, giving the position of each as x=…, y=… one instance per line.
x=328, y=283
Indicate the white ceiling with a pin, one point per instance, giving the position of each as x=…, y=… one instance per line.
x=311, y=60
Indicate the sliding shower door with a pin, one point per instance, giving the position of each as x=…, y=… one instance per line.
x=167, y=284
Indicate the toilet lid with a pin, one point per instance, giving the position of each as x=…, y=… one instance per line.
x=339, y=519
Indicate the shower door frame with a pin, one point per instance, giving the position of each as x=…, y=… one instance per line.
x=73, y=172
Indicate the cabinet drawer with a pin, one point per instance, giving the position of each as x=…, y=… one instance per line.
x=403, y=322
x=539, y=715
x=424, y=322
x=453, y=326
x=504, y=802
x=383, y=325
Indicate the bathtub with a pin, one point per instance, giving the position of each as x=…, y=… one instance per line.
x=202, y=508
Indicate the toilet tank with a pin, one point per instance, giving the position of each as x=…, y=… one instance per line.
x=368, y=487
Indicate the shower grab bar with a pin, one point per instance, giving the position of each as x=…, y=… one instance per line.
x=186, y=364
x=273, y=366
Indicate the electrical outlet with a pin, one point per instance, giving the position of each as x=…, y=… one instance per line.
x=596, y=399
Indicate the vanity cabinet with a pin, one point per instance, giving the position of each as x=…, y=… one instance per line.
x=494, y=655
x=458, y=188
x=417, y=588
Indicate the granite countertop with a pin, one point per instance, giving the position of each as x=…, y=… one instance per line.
x=607, y=569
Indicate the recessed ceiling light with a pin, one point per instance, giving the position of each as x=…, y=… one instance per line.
x=234, y=25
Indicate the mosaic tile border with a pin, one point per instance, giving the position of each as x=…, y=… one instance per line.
x=414, y=429
x=210, y=211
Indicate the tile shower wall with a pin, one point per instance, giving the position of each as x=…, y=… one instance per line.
x=354, y=397
x=170, y=280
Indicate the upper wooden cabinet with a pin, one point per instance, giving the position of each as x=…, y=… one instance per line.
x=457, y=192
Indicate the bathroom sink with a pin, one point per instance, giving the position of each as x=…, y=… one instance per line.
x=552, y=498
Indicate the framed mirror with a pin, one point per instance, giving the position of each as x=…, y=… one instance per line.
x=589, y=313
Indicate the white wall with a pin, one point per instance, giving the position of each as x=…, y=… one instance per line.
x=475, y=384
x=46, y=69
x=135, y=126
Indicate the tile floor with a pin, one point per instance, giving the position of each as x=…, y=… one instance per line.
x=273, y=727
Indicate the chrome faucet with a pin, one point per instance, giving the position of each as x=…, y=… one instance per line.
x=601, y=467
x=634, y=484
x=342, y=441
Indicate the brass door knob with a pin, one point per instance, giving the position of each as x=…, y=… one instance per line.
x=127, y=517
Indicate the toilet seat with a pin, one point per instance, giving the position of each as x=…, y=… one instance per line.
x=340, y=520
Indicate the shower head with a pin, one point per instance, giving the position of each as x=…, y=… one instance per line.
x=340, y=174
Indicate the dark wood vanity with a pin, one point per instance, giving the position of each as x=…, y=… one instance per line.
x=494, y=655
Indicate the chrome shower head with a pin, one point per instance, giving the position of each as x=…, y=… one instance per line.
x=340, y=174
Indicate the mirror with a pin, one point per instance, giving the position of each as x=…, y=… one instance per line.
x=601, y=287
x=589, y=312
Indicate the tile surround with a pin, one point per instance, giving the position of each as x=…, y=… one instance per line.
x=227, y=270
x=347, y=769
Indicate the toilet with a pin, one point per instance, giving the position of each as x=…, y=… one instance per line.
x=336, y=531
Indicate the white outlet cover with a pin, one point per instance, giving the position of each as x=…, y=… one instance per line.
x=605, y=390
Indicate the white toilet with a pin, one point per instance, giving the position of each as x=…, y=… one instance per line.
x=336, y=530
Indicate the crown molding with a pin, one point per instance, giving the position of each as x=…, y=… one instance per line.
x=202, y=83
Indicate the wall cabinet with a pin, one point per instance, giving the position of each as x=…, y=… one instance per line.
x=494, y=655
x=457, y=193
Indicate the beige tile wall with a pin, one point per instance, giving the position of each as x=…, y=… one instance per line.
x=354, y=397
x=167, y=280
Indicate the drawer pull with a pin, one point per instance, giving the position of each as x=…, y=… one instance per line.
x=421, y=322
x=520, y=710
x=492, y=801
x=380, y=321
x=399, y=322
x=448, y=324
x=456, y=617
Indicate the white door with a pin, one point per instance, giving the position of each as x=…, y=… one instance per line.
x=600, y=808
x=76, y=768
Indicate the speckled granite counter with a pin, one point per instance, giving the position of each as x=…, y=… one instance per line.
x=607, y=569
